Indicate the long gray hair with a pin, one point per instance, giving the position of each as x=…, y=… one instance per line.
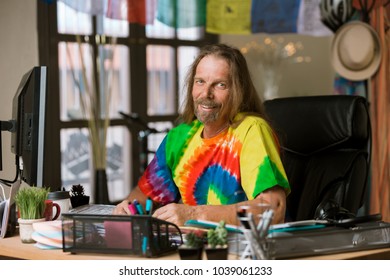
x=242, y=93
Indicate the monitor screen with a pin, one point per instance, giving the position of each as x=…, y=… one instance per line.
x=29, y=113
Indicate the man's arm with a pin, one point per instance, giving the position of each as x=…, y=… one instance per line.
x=180, y=213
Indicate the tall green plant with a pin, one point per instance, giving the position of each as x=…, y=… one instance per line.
x=31, y=202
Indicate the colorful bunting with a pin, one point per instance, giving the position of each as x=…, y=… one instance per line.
x=217, y=16
x=134, y=11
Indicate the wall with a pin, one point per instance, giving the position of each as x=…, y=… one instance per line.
x=18, y=54
x=306, y=78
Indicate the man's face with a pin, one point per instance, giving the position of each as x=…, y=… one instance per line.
x=211, y=89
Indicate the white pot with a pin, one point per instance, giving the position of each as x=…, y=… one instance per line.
x=26, y=229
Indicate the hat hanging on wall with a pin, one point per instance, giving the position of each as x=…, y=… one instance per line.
x=356, y=51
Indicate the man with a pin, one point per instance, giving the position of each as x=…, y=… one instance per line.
x=222, y=156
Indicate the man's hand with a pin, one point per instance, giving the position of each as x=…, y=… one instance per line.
x=177, y=214
x=122, y=208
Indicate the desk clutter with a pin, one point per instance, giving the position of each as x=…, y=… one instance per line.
x=140, y=235
x=313, y=237
x=330, y=239
x=93, y=229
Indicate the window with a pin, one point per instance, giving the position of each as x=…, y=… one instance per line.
x=141, y=66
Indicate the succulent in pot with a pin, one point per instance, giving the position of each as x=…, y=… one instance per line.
x=217, y=242
x=77, y=196
x=192, y=248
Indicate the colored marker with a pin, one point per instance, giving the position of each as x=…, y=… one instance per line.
x=149, y=206
x=132, y=209
x=140, y=209
x=144, y=245
x=138, y=206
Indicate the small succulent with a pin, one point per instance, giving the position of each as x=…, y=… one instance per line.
x=194, y=239
x=218, y=236
x=77, y=190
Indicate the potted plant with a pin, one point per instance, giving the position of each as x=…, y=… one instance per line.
x=217, y=245
x=192, y=248
x=77, y=196
x=30, y=202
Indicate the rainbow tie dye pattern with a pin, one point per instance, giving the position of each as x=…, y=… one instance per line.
x=233, y=166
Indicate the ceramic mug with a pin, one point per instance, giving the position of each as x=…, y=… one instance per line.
x=49, y=206
x=62, y=198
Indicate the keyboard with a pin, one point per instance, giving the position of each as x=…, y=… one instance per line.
x=93, y=209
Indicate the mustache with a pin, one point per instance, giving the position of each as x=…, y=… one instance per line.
x=207, y=102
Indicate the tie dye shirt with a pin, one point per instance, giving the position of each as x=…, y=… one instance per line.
x=233, y=166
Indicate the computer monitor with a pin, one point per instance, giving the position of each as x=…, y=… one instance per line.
x=29, y=115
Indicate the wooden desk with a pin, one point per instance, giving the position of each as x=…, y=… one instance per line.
x=12, y=247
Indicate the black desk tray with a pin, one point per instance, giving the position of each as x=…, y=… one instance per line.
x=330, y=240
x=140, y=235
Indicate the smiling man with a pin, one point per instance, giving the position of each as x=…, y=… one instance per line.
x=222, y=156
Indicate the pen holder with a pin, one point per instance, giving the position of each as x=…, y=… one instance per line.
x=257, y=248
x=255, y=221
x=140, y=235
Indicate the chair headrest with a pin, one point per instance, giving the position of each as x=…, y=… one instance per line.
x=317, y=123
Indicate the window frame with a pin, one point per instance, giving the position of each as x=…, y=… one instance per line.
x=137, y=42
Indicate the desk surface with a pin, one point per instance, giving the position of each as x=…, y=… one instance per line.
x=12, y=247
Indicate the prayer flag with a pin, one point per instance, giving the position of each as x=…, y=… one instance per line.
x=275, y=16
x=228, y=16
x=309, y=19
x=117, y=9
x=136, y=11
x=91, y=7
x=183, y=13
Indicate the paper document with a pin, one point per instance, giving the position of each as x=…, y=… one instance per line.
x=6, y=202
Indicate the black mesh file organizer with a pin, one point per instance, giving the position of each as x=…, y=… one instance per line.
x=140, y=235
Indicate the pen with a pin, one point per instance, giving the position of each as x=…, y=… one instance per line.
x=144, y=245
x=242, y=216
x=138, y=207
x=149, y=206
x=251, y=223
x=267, y=217
x=132, y=209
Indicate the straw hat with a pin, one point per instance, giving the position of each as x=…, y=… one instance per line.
x=356, y=51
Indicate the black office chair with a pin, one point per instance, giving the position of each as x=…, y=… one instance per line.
x=326, y=144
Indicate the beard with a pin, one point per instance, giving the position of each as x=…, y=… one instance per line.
x=207, y=117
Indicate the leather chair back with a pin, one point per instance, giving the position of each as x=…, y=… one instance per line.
x=325, y=148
